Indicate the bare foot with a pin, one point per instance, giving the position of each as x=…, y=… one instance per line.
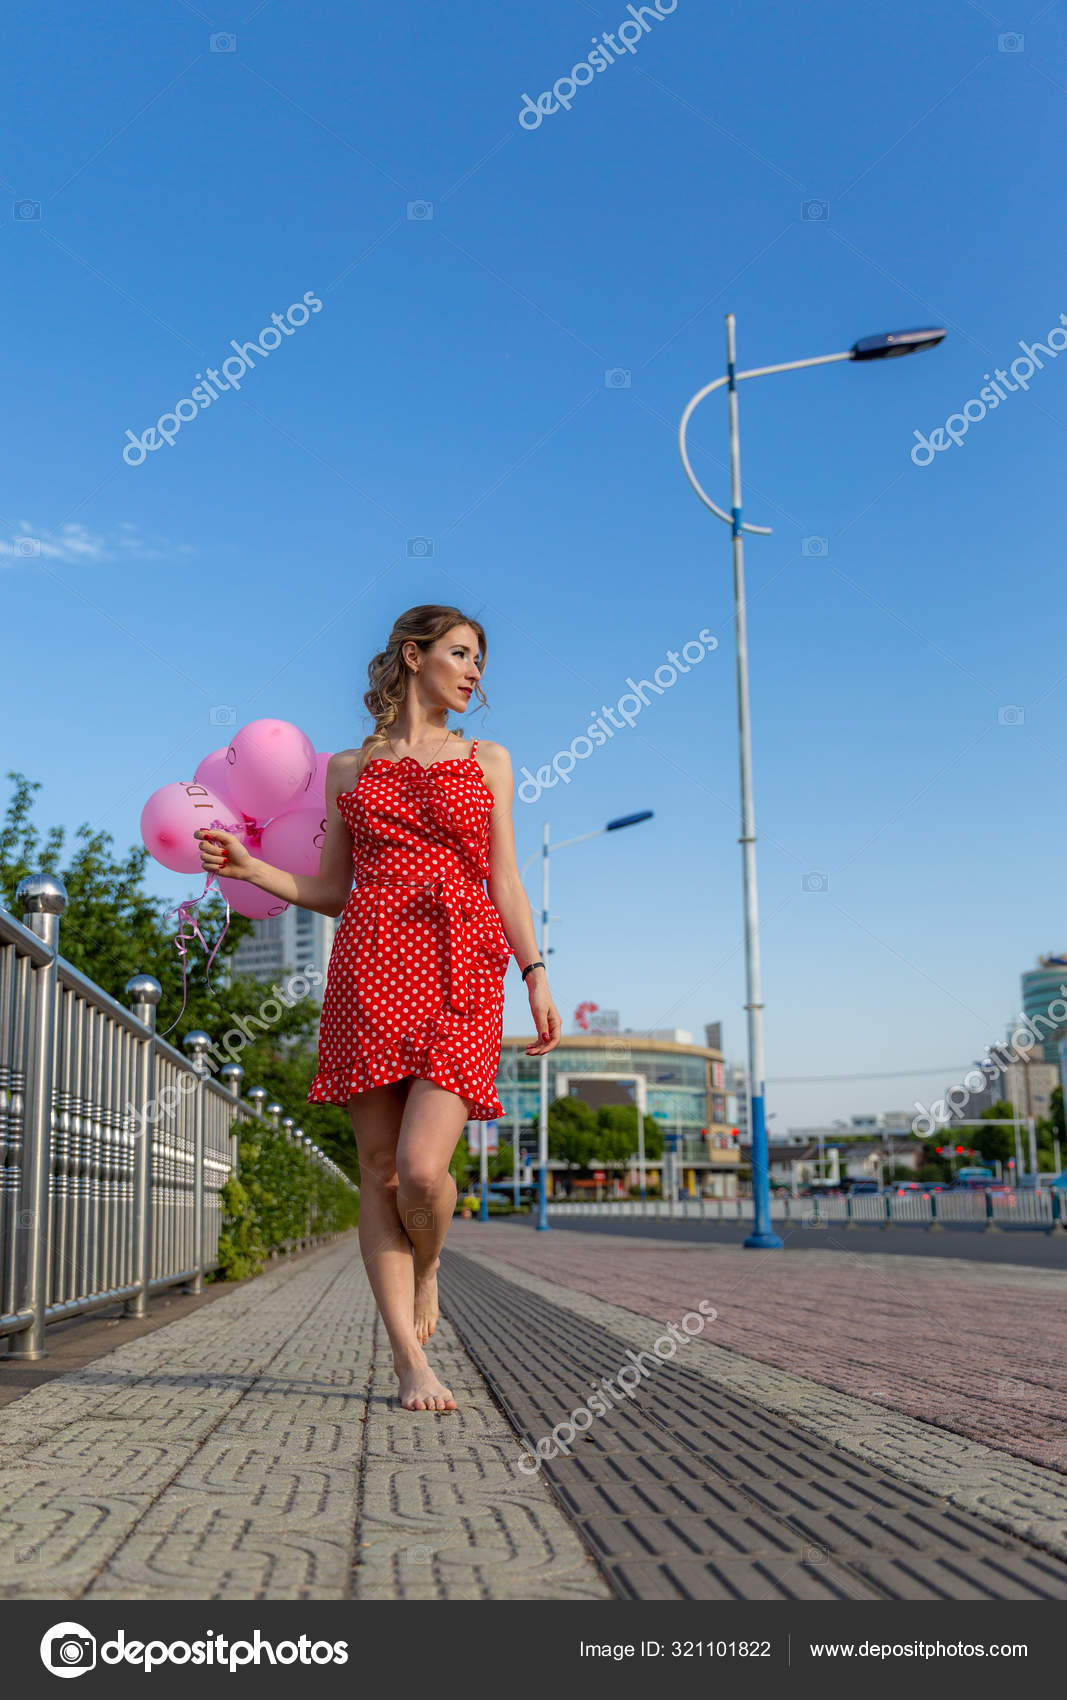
x=420, y=1389
x=426, y=1300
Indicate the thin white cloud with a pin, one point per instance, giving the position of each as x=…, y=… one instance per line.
x=77, y=543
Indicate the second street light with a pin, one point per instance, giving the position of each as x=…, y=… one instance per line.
x=887, y=345
x=545, y=948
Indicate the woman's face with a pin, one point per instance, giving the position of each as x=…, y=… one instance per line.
x=451, y=668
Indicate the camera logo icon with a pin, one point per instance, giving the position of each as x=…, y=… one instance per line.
x=68, y=1649
x=223, y=43
x=1010, y=43
x=27, y=546
x=223, y=714
x=1010, y=714
x=420, y=547
x=815, y=209
x=815, y=546
x=420, y=209
x=26, y=210
x=616, y=378
x=815, y=882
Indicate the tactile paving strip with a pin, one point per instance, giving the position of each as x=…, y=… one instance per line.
x=689, y=1491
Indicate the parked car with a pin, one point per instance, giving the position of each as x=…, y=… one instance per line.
x=863, y=1186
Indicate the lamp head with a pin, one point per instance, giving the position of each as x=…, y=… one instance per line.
x=888, y=344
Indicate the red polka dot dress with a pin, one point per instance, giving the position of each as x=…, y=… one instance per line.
x=416, y=975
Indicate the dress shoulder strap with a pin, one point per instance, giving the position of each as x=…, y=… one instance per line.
x=474, y=746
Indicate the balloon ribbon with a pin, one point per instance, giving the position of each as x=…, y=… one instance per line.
x=182, y=940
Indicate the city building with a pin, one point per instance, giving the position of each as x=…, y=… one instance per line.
x=1040, y=990
x=296, y=941
x=1027, y=1083
x=682, y=1086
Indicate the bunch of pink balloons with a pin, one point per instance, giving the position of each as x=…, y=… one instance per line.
x=267, y=787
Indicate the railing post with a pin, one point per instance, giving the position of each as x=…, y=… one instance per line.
x=196, y=1043
x=992, y=1226
x=934, y=1223
x=231, y=1075
x=144, y=994
x=42, y=899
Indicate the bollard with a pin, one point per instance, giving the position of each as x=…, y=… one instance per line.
x=144, y=993
x=197, y=1043
x=42, y=899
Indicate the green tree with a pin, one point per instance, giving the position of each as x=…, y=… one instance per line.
x=572, y=1133
x=995, y=1139
x=114, y=928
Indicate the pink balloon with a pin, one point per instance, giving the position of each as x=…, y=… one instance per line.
x=251, y=900
x=172, y=815
x=294, y=841
x=214, y=772
x=316, y=794
x=271, y=766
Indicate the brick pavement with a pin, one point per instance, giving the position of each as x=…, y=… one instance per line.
x=254, y=1450
x=979, y=1350
x=689, y=1490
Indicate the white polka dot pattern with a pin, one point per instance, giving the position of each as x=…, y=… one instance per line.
x=416, y=977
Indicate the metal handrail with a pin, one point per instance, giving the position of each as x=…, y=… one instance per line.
x=114, y=1146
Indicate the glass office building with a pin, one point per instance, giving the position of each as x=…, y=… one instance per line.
x=1042, y=993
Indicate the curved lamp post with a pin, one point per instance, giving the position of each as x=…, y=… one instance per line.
x=885, y=346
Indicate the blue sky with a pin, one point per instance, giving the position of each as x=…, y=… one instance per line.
x=478, y=281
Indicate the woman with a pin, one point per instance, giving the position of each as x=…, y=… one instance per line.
x=412, y=1013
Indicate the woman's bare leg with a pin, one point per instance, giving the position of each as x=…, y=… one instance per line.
x=376, y=1117
x=430, y=1130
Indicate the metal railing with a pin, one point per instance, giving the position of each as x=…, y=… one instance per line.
x=1038, y=1209
x=114, y=1147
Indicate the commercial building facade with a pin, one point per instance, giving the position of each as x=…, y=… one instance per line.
x=682, y=1085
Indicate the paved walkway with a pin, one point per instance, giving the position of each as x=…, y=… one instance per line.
x=253, y=1450
x=845, y=1427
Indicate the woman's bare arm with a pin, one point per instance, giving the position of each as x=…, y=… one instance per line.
x=509, y=899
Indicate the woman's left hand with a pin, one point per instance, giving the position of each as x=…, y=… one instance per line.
x=546, y=1016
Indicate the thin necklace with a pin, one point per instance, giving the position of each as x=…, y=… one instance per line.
x=441, y=745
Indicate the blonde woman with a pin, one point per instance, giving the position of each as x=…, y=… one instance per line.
x=409, y=1039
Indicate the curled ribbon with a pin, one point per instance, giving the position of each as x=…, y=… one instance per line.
x=182, y=940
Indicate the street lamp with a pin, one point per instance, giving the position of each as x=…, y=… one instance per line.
x=542, y=1151
x=887, y=345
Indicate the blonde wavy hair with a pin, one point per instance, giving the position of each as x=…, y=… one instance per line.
x=389, y=673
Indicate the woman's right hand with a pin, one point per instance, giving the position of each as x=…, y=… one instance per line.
x=223, y=853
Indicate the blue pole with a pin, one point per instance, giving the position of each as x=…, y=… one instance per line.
x=483, y=1164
